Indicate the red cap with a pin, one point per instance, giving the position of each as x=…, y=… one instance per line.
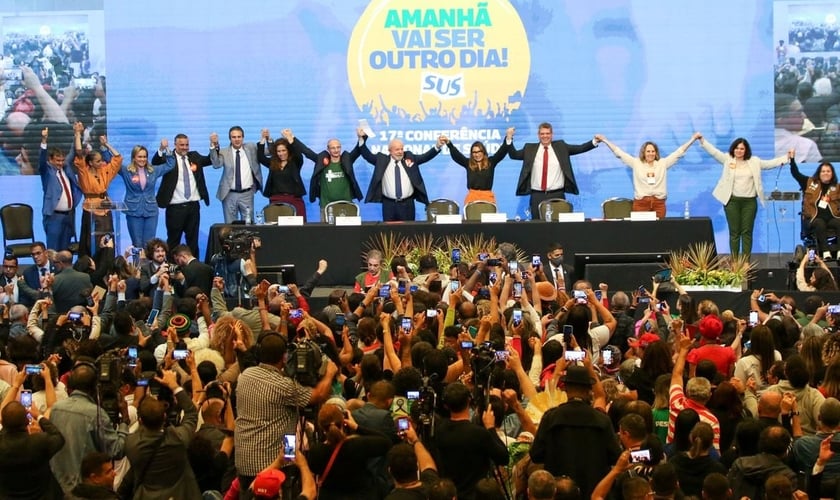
x=644, y=341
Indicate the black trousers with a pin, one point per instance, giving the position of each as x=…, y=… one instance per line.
x=393, y=210
x=538, y=197
x=183, y=218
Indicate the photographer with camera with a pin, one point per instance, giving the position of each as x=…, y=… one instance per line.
x=190, y=271
x=154, y=266
x=577, y=438
x=268, y=405
x=27, y=442
x=85, y=425
x=465, y=451
x=158, y=454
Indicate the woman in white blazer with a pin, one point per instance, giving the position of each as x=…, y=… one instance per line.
x=739, y=187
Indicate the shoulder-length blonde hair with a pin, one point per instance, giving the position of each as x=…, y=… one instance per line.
x=132, y=167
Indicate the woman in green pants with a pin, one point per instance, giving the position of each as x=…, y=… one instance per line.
x=739, y=187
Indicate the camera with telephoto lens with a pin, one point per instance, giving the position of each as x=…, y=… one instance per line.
x=482, y=358
x=423, y=408
x=109, y=368
x=237, y=244
x=304, y=362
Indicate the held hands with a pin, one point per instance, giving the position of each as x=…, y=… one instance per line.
x=441, y=141
x=164, y=144
x=791, y=154
x=265, y=135
x=509, y=133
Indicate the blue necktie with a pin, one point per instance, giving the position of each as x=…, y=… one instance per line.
x=398, y=179
x=238, y=175
x=185, y=172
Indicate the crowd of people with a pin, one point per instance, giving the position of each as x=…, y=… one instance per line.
x=490, y=378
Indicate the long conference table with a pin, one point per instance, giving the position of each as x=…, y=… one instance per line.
x=343, y=246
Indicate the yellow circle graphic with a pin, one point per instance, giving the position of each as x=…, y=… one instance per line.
x=445, y=58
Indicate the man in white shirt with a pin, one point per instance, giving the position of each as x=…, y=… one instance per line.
x=242, y=174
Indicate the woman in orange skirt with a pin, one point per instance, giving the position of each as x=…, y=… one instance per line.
x=480, y=168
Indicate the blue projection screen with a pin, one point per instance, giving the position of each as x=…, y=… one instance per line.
x=633, y=70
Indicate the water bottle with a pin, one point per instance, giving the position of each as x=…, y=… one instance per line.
x=259, y=218
x=548, y=212
x=330, y=217
x=247, y=216
x=686, y=213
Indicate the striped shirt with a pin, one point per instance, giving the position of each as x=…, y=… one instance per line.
x=267, y=402
x=678, y=402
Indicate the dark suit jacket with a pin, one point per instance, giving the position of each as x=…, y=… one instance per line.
x=199, y=274
x=29, y=287
x=568, y=271
x=147, y=270
x=321, y=160
x=25, y=463
x=170, y=180
x=380, y=162
x=169, y=474
x=529, y=152
x=67, y=289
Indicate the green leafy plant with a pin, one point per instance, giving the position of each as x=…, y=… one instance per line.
x=699, y=265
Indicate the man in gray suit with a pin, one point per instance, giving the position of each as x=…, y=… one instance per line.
x=67, y=284
x=242, y=175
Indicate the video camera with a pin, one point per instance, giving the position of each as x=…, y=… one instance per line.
x=304, y=362
x=109, y=367
x=237, y=244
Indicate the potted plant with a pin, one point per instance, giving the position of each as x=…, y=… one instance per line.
x=698, y=267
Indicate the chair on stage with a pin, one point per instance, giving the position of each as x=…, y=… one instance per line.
x=441, y=206
x=17, y=225
x=617, y=208
x=558, y=206
x=340, y=208
x=474, y=209
x=279, y=209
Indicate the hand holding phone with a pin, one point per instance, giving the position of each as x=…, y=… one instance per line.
x=289, y=446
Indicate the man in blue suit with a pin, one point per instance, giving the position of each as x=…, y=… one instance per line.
x=29, y=288
x=396, y=180
x=242, y=175
x=61, y=193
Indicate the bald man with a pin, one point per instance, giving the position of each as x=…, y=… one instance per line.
x=333, y=178
x=396, y=180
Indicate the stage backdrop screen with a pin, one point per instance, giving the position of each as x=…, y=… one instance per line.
x=632, y=70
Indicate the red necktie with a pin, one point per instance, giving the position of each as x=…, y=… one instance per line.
x=544, y=182
x=66, y=189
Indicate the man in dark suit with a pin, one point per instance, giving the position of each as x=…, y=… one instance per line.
x=556, y=271
x=546, y=168
x=29, y=288
x=158, y=453
x=68, y=284
x=333, y=178
x=180, y=191
x=154, y=267
x=396, y=180
x=193, y=272
x=24, y=457
x=242, y=175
